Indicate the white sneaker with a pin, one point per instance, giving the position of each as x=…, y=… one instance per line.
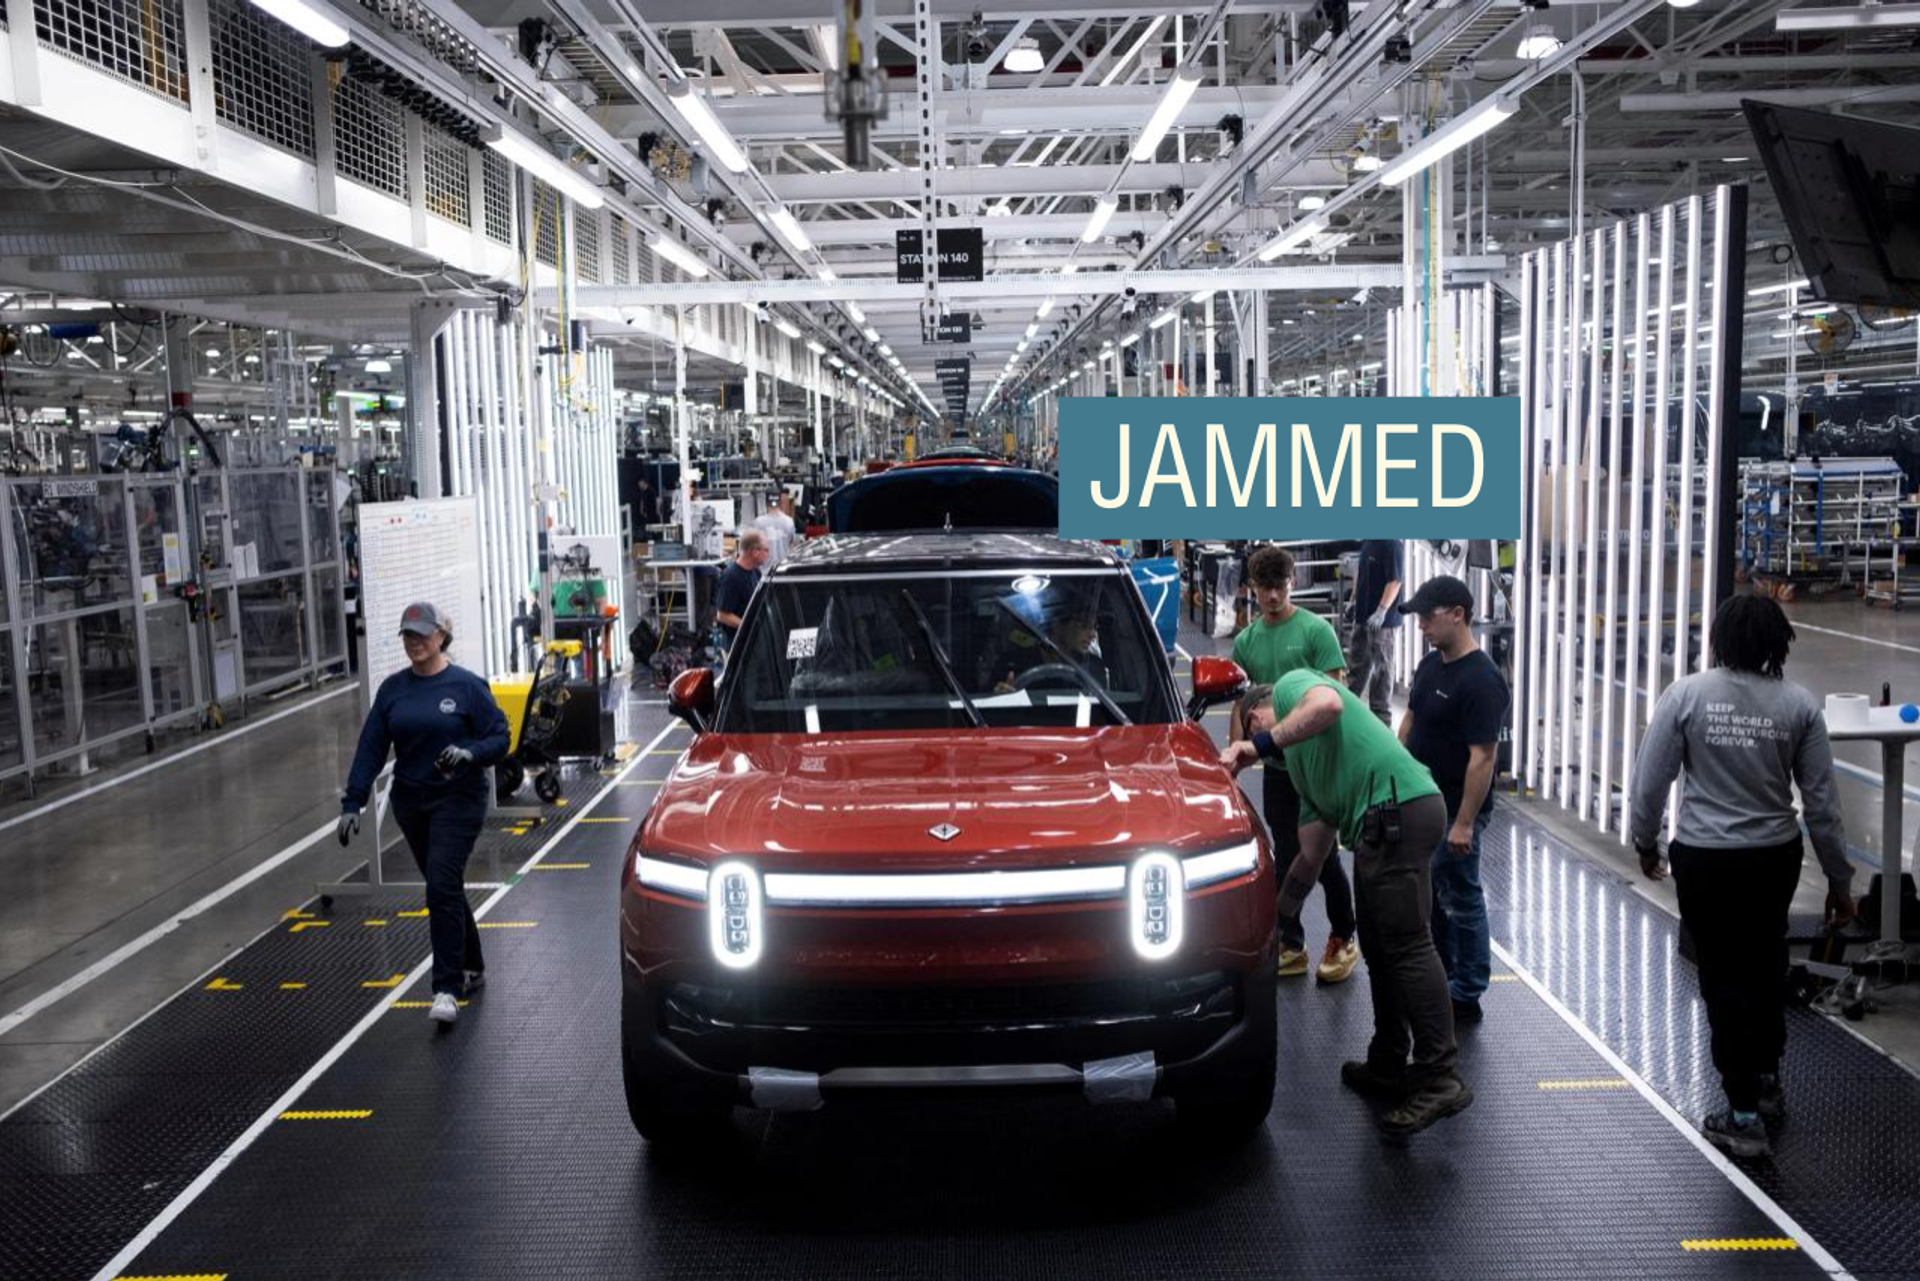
x=445, y=1008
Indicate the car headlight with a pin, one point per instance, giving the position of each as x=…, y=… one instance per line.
x=1156, y=905
x=674, y=878
x=735, y=918
x=1221, y=865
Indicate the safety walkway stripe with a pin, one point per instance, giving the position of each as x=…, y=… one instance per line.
x=1588, y=1083
x=1740, y=1243
x=180, y=1276
x=560, y=867
x=328, y=1114
x=609, y=818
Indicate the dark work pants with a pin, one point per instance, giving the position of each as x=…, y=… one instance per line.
x=441, y=836
x=1412, y=1012
x=1370, y=667
x=1281, y=805
x=1734, y=902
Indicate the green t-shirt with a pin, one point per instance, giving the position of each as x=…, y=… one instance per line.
x=1349, y=767
x=1267, y=651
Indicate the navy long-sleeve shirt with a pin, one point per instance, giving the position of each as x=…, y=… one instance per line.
x=418, y=717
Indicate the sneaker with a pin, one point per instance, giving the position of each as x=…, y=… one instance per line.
x=1467, y=1012
x=1431, y=1101
x=445, y=1008
x=1737, y=1138
x=1363, y=1077
x=1293, y=961
x=1336, y=965
x=475, y=980
x=1773, y=1099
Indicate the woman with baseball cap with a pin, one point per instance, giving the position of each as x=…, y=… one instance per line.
x=444, y=729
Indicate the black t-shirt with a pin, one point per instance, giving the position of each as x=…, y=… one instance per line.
x=735, y=590
x=1455, y=705
x=1379, y=565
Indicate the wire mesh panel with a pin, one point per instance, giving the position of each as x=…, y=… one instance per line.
x=621, y=259
x=496, y=183
x=586, y=246
x=140, y=41
x=260, y=76
x=545, y=216
x=447, y=178
x=369, y=138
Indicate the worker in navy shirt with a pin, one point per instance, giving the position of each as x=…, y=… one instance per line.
x=737, y=583
x=444, y=729
x=1376, y=589
x=1456, y=706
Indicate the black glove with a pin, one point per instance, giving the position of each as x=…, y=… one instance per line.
x=1651, y=862
x=349, y=827
x=452, y=760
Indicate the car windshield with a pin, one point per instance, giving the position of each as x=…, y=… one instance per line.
x=1010, y=648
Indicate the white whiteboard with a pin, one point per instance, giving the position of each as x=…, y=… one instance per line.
x=419, y=550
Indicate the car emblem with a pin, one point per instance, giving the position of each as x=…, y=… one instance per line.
x=944, y=832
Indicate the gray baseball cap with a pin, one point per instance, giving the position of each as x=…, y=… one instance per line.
x=422, y=618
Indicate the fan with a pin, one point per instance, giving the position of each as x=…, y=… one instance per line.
x=1830, y=334
x=1884, y=317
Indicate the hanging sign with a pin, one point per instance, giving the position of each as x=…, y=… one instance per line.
x=962, y=255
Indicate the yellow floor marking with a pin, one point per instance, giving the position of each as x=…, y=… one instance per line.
x=291, y=987
x=640, y=782
x=508, y=925
x=328, y=1114
x=1587, y=1083
x=418, y=911
x=625, y=751
x=387, y=982
x=308, y=925
x=296, y=914
x=181, y=1276
x=421, y=1005
x=561, y=802
x=1740, y=1243
x=606, y=818
x=511, y=831
x=222, y=985
x=666, y=751
x=1506, y=978
x=559, y=867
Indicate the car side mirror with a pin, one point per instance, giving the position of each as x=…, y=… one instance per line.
x=1215, y=680
x=690, y=697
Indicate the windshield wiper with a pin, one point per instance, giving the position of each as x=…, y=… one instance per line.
x=940, y=660
x=1087, y=682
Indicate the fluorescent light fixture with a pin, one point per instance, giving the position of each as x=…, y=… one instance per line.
x=1292, y=238
x=374, y=366
x=1070, y=268
x=827, y=273
x=544, y=165
x=1172, y=102
x=1308, y=204
x=307, y=20
x=870, y=334
x=836, y=362
x=678, y=254
x=814, y=346
x=1539, y=42
x=789, y=228
x=1847, y=18
x=1130, y=339
x=1024, y=57
x=1366, y=164
x=1200, y=296
x=1045, y=308
x=1033, y=329
x=859, y=317
x=1165, y=317
x=1022, y=345
x=1097, y=223
x=1463, y=129
x=1764, y=290
x=885, y=350
x=786, y=326
x=720, y=144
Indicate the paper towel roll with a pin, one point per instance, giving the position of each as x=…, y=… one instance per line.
x=1847, y=709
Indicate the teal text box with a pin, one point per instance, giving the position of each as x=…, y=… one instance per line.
x=1302, y=467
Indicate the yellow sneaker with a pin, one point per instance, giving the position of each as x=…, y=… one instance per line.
x=1336, y=965
x=1293, y=961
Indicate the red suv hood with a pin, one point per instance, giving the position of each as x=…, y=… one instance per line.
x=1020, y=797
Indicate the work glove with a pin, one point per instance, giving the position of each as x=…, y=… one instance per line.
x=1651, y=863
x=1377, y=620
x=452, y=760
x=349, y=827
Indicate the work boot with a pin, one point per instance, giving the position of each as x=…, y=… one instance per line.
x=1736, y=1137
x=1366, y=1077
x=1336, y=965
x=1435, y=1099
x=1773, y=1098
x=445, y=1008
x=1293, y=961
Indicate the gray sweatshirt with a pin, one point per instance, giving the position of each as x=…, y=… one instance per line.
x=1741, y=740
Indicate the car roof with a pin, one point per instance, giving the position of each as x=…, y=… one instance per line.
x=961, y=549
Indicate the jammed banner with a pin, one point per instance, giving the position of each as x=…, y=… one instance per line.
x=1333, y=467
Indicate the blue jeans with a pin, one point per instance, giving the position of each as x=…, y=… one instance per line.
x=1460, y=931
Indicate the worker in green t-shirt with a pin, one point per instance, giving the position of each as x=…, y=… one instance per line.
x=1359, y=784
x=1285, y=638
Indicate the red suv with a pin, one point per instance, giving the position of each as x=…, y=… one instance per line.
x=946, y=825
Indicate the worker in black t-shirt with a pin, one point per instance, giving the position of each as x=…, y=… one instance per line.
x=737, y=583
x=1456, y=706
x=1376, y=589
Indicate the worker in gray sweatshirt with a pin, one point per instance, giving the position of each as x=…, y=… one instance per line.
x=1740, y=737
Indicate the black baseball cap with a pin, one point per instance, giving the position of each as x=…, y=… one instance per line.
x=1443, y=592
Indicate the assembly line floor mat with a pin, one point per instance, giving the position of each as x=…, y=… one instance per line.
x=501, y=1148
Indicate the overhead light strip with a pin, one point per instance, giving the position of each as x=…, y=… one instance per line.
x=544, y=165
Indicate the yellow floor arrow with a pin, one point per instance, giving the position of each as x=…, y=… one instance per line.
x=221, y=985
x=389, y=982
x=309, y=925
